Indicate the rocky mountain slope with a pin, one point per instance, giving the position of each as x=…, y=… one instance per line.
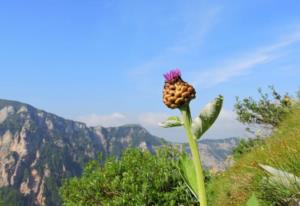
x=39, y=149
x=216, y=153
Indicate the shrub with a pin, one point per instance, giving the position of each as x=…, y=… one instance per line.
x=265, y=111
x=244, y=146
x=137, y=178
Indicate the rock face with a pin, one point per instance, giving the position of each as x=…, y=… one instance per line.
x=216, y=153
x=39, y=149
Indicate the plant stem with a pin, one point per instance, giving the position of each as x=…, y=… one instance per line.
x=187, y=119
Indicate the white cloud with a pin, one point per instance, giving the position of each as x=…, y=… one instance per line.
x=114, y=119
x=225, y=126
x=151, y=118
x=239, y=66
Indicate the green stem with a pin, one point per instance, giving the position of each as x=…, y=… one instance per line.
x=185, y=111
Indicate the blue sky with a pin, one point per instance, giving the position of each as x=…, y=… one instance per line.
x=102, y=62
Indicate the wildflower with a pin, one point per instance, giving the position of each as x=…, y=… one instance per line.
x=177, y=92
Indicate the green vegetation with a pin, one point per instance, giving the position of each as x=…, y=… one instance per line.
x=282, y=150
x=245, y=146
x=265, y=111
x=252, y=201
x=137, y=178
x=280, y=187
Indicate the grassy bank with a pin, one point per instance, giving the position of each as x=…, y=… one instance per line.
x=281, y=150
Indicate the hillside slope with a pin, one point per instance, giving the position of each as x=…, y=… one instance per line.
x=281, y=150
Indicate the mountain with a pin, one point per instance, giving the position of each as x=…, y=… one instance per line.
x=216, y=153
x=39, y=149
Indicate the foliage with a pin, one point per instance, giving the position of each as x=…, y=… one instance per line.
x=280, y=187
x=298, y=94
x=187, y=170
x=207, y=117
x=245, y=146
x=137, y=178
x=281, y=150
x=252, y=201
x=276, y=194
x=265, y=111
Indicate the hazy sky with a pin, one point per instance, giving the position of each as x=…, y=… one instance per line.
x=102, y=62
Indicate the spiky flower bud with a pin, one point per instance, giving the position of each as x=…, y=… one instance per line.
x=177, y=92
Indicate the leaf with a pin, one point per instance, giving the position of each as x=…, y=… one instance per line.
x=207, y=117
x=171, y=122
x=187, y=171
x=252, y=201
x=281, y=177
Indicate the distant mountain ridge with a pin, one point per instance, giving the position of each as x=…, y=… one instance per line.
x=216, y=153
x=38, y=149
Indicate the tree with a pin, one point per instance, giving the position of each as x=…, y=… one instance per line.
x=137, y=178
x=265, y=111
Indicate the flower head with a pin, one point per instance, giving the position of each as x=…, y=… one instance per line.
x=177, y=92
x=172, y=75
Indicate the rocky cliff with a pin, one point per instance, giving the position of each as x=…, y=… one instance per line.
x=39, y=149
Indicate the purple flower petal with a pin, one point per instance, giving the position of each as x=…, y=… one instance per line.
x=172, y=75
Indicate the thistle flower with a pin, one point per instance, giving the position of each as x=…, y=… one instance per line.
x=177, y=92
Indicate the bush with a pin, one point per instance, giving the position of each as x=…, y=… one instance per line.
x=244, y=146
x=265, y=111
x=137, y=178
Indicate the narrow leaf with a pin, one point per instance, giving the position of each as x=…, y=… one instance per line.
x=171, y=122
x=281, y=177
x=187, y=171
x=207, y=117
x=252, y=201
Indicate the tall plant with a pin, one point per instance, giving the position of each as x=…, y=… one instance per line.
x=177, y=94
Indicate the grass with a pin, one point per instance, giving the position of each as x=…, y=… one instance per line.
x=281, y=150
